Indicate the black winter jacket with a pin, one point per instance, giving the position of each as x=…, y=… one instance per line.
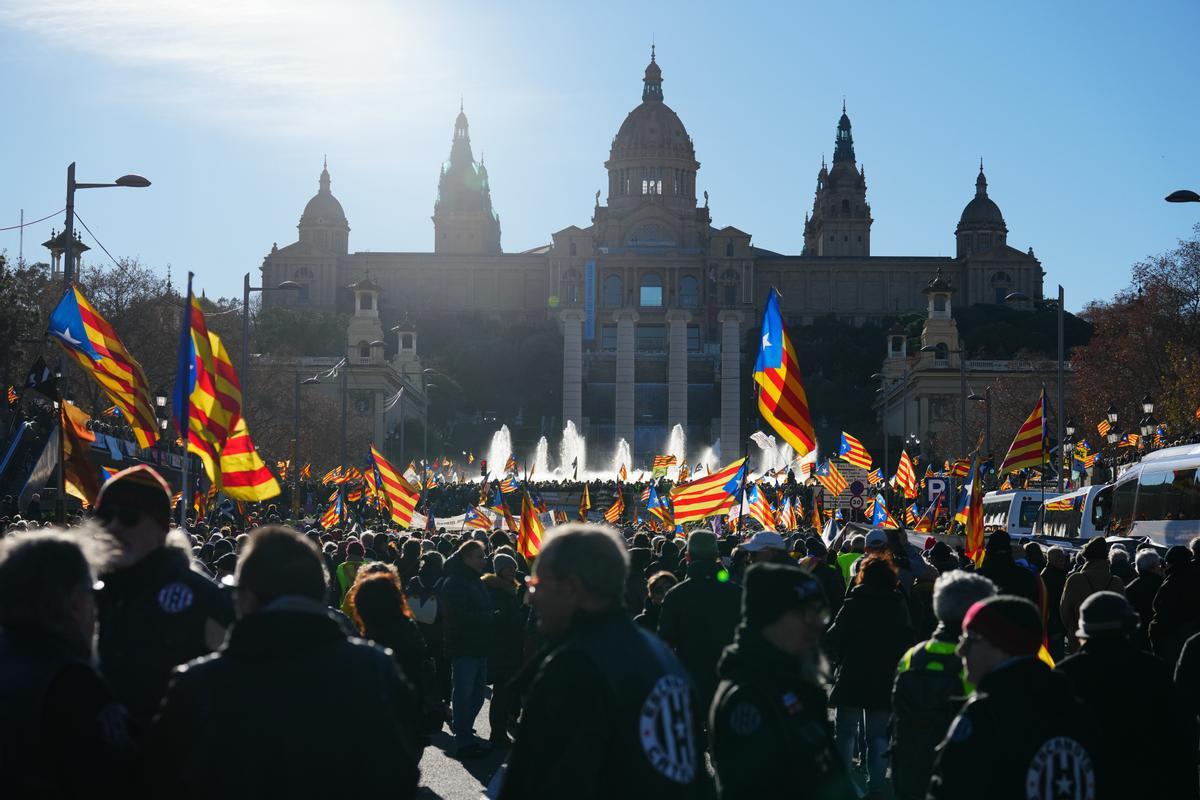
x=1023, y=728
x=466, y=610
x=866, y=641
x=1154, y=727
x=769, y=728
x=62, y=733
x=698, y=618
x=154, y=616
x=253, y=720
x=608, y=715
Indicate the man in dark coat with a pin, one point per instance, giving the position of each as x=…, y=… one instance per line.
x=249, y=721
x=1023, y=733
x=62, y=733
x=508, y=643
x=1054, y=578
x=1141, y=591
x=155, y=611
x=1009, y=576
x=769, y=722
x=931, y=684
x=1176, y=606
x=1165, y=728
x=699, y=616
x=468, y=618
x=609, y=711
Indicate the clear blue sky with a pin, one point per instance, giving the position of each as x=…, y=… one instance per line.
x=1086, y=115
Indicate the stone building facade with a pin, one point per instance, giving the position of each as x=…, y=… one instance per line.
x=653, y=300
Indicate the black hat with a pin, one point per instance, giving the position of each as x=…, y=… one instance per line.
x=1106, y=613
x=1095, y=550
x=999, y=542
x=772, y=589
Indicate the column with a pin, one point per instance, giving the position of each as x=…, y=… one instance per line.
x=677, y=372
x=731, y=383
x=625, y=370
x=572, y=322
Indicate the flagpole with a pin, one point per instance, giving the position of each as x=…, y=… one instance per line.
x=186, y=398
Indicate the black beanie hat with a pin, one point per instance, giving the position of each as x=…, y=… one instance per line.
x=1095, y=550
x=998, y=542
x=773, y=589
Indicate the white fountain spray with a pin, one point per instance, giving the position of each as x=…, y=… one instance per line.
x=677, y=446
x=541, y=460
x=572, y=451
x=622, y=455
x=499, y=451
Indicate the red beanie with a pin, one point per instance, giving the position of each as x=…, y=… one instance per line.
x=1011, y=624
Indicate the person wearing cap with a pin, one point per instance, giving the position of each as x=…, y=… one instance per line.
x=1095, y=576
x=507, y=648
x=1153, y=726
x=155, y=611
x=769, y=722
x=62, y=732
x=699, y=615
x=608, y=712
x=930, y=684
x=866, y=640
x=286, y=696
x=766, y=546
x=1023, y=734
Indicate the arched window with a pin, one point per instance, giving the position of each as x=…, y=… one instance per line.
x=364, y=349
x=570, y=287
x=650, y=292
x=689, y=292
x=729, y=249
x=729, y=288
x=572, y=248
x=941, y=354
x=614, y=292
x=364, y=301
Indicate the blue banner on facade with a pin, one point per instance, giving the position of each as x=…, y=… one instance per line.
x=589, y=300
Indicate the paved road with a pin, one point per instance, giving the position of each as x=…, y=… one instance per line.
x=446, y=777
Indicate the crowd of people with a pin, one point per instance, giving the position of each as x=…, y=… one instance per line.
x=288, y=662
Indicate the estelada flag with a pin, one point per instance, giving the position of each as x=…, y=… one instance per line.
x=831, y=478
x=208, y=405
x=781, y=397
x=529, y=538
x=91, y=341
x=1031, y=444
x=974, y=524
x=852, y=450
x=709, y=496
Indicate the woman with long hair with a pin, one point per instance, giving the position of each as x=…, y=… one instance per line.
x=376, y=604
x=869, y=635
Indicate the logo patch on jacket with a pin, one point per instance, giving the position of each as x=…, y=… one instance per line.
x=1061, y=768
x=175, y=597
x=665, y=725
x=792, y=703
x=745, y=719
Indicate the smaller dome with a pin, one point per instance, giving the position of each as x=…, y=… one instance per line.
x=982, y=211
x=938, y=284
x=323, y=208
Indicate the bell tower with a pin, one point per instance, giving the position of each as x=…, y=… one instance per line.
x=840, y=224
x=463, y=220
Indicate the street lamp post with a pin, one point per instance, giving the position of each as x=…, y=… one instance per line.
x=1183, y=196
x=243, y=372
x=296, y=441
x=1148, y=424
x=127, y=181
x=985, y=398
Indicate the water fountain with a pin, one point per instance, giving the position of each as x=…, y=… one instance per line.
x=499, y=451
x=572, y=451
x=677, y=446
x=622, y=455
x=541, y=460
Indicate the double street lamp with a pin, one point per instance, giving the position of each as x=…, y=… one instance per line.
x=986, y=399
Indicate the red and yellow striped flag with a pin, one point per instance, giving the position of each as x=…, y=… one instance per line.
x=529, y=538
x=585, y=504
x=1031, y=443
x=617, y=509
x=852, y=450
x=781, y=397
x=709, y=496
x=906, y=477
x=401, y=495
x=207, y=389
x=95, y=346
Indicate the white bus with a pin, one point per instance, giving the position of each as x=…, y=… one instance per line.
x=1081, y=514
x=1015, y=512
x=1158, y=497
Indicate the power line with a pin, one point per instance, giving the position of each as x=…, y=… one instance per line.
x=35, y=222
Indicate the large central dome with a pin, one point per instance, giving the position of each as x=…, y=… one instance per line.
x=652, y=129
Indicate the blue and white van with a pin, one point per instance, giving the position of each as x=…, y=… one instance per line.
x=1157, y=498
